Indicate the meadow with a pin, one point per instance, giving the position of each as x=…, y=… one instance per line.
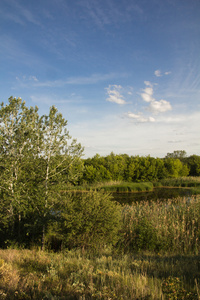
x=156, y=257
x=33, y=274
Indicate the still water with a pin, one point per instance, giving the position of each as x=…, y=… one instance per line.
x=156, y=194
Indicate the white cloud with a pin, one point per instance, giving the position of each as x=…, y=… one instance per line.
x=158, y=73
x=167, y=73
x=114, y=94
x=147, y=95
x=148, y=92
x=154, y=106
x=34, y=78
x=140, y=118
x=148, y=83
x=160, y=106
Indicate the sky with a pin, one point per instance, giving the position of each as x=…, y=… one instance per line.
x=124, y=73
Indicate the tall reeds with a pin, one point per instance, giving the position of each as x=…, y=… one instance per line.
x=172, y=226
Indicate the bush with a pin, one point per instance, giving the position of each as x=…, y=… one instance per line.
x=88, y=220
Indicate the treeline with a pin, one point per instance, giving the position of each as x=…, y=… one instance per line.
x=136, y=169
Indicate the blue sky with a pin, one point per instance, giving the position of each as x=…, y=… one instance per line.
x=124, y=73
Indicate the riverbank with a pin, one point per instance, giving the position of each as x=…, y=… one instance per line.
x=128, y=192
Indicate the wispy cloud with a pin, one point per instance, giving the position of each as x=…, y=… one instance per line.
x=94, y=78
x=158, y=73
x=168, y=73
x=108, y=13
x=19, y=14
x=114, y=94
x=87, y=80
x=139, y=118
x=56, y=100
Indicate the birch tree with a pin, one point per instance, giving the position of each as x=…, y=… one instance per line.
x=16, y=133
x=59, y=154
x=37, y=155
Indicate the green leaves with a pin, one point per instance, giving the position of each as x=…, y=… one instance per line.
x=88, y=220
x=37, y=154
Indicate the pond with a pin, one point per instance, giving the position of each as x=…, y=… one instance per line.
x=156, y=194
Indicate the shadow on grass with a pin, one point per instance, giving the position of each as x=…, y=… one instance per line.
x=185, y=267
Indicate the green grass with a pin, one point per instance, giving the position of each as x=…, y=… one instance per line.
x=192, y=183
x=113, y=186
x=181, y=182
x=128, y=187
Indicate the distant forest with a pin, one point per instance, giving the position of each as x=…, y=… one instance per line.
x=138, y=168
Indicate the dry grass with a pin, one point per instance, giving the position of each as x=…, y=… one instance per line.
x=31, y=274
x=38, y=275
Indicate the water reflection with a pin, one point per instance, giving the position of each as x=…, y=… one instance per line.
x=156, y=194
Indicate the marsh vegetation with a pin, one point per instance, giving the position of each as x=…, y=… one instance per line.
x=156, y=256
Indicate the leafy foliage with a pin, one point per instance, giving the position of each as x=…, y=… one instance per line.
x=136, y=169
x=89, y=220
x=35, y=154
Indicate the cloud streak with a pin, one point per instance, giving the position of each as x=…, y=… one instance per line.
x=20, y=14
x=139, y=118
x=87, y=80
x=158, y=73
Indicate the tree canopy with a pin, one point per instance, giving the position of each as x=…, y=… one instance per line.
x=34, y=152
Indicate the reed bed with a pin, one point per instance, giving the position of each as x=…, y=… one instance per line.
x=129, y=187
x=181, y=182
x=172, y=226
x=113, y=186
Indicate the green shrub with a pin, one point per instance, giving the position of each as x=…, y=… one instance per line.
x=145, y=235
x=88, y=220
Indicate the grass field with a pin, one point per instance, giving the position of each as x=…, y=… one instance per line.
x=31, y=274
